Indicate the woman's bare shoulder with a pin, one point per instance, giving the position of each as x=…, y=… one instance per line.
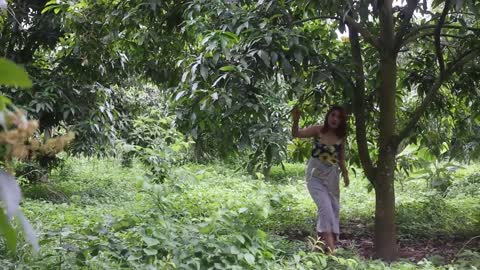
x=318, y=129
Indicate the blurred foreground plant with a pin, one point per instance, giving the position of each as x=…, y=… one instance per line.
x=17, y=142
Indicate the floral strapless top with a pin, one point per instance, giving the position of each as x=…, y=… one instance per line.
x=325, y=152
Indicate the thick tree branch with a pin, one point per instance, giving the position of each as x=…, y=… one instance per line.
x=426, y=34
x=464, y=58
x=359, y=107
x=387, y=31
x=316, y=18
x=352, y=24
x=453, y=67
x=437, y=32
x=407, y=17
x=417, y=32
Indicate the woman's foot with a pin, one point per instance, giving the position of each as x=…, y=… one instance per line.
x=329, y=242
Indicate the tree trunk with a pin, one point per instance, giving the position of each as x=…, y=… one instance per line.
x=385, y=236
x=385, y=231
x=44, y=160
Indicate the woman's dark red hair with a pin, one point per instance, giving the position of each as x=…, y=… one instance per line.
x=341, y=130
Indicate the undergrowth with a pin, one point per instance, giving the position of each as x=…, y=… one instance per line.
x=94, y=214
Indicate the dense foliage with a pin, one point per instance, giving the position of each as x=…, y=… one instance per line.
x=172, y=82
x=213, y=216
x=234, y=65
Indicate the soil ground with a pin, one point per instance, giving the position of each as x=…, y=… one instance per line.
x=356, y=237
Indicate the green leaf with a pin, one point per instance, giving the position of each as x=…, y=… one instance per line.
x=50, y=5
x=179, y=95
x=249, y=258
x=287, y=68
x=265, y=57
x=240, y=238
x=241, y=27
x=150, y=241
x=245, y=77
x=274, y=57
x=219, y=79
x=227, y=68
x=4, y=101
x=298, y=56
x=205, y=228
x=7, y=231
x=262, y=235
x=134, y=257
x=242, y=210
x=319, y=76
x=234, y=250
x=13, y=75
x=230, y=35
x=268, y=39
x=204, y=72
x=473, y=8
x=150, y=252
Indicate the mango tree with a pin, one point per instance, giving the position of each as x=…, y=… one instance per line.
x=82, y=55
x=430, y=46
x=404, y=63
x=246, y=62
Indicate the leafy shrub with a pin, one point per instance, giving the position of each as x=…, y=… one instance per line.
x=47, y=192
x=155, y=142
x=417, y=162
x=287, y=172
x=466, y=187
x=436, y=215
x=38, y=169
x=207, y=216
x=299, y=150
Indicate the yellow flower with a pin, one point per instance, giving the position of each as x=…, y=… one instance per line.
x=324, y=156
x=19, y=151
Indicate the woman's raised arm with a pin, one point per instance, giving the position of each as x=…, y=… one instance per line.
x=308, y=132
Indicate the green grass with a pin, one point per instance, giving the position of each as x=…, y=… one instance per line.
x=94, y=214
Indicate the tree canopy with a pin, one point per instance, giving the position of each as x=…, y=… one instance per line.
x=407, y=71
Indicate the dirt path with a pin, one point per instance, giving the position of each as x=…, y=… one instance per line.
x=360, y=239
x=413, y=249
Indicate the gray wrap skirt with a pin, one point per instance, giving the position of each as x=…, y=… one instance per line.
x=323, y=185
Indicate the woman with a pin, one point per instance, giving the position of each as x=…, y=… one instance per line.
x=322, y=172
